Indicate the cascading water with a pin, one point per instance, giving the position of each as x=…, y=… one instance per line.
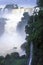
x=11, y=28
x=31, y=53
x=10, y=33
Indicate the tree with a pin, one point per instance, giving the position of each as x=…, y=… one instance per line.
x=40, y=3
x=15, y=55
x=34, y=31
x=1, y=60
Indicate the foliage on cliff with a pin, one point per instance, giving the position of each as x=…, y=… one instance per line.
x=13, y=59
x=34, y=31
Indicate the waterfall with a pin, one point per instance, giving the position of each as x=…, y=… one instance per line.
x=31, y=53
x=10, y=33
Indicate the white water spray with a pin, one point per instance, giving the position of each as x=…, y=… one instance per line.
x=31, y=53
x=10, y=38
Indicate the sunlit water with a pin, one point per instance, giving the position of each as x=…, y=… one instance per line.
x=31, y=54
x=10, y=37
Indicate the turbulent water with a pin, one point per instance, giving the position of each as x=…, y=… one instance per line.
x=12, y=31
x=9, y=37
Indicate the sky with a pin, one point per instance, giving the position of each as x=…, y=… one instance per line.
x=19, y=2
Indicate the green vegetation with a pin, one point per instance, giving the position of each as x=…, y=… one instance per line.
x=34, y=29
x=13, y=59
